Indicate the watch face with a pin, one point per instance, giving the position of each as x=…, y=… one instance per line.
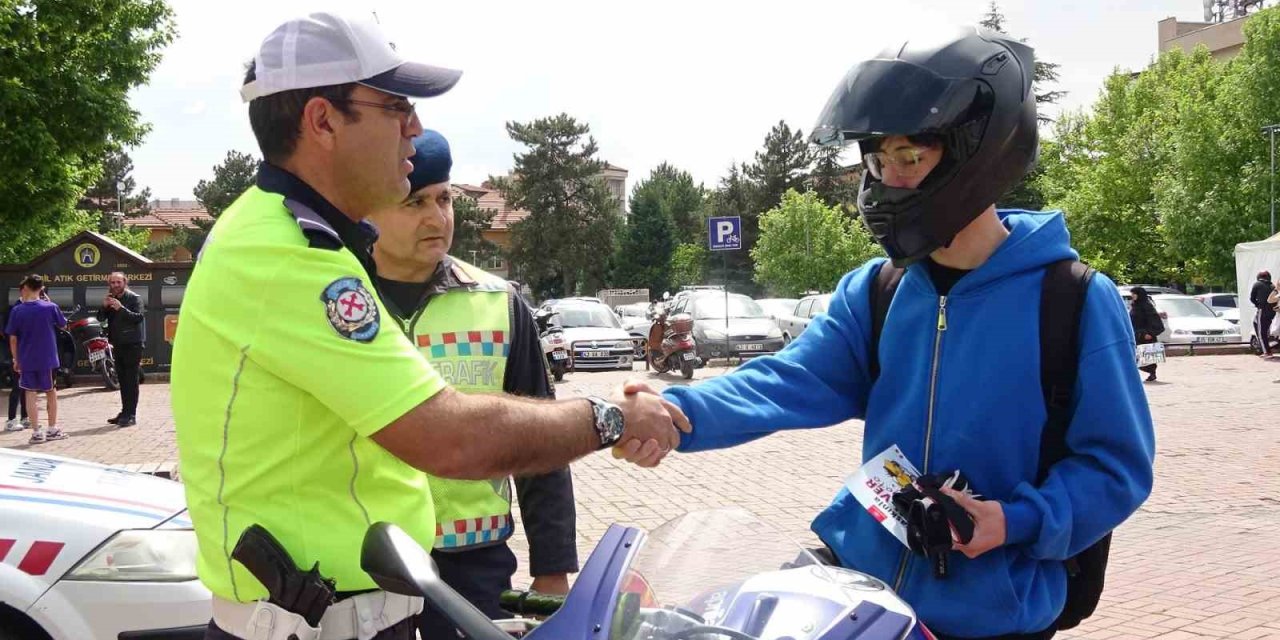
x=612, y=419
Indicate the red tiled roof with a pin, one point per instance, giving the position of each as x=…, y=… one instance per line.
x=168, y=216
x=486, y=198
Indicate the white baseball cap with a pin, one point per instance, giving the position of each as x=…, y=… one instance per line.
x=325, y=49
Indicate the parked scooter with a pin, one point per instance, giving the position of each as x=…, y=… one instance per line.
x=707, y=575
x=554, y=346
x=87, y=332
x=670, y=344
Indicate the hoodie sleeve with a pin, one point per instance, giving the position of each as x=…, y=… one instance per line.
x=1108, y=474
x=818, y=380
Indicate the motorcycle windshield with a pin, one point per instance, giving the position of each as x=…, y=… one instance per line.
x=726, y=574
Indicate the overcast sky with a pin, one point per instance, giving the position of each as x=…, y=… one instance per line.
x=696, y=83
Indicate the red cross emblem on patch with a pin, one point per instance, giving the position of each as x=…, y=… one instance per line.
x=353, y=307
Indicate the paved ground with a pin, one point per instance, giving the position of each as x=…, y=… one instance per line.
x=1200, y=559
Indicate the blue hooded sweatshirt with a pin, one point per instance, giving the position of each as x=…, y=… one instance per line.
x=959, y=388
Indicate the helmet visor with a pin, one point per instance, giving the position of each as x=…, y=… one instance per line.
x=892, y=97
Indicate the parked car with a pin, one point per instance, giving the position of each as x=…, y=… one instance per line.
x=88, y=552
x=1223, y=304
x=778, y=308
x=1151, y=289
x=750, y=331
x=794, y=323
x=635, y=319
x=595, y=335
x=1190, y=321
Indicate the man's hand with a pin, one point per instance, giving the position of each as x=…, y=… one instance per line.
x=17, y=367
x=651, y=424
x=557, y=585
x=989, y=529
x=111, y=303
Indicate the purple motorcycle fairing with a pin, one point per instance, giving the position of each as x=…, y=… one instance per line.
x=588, y=610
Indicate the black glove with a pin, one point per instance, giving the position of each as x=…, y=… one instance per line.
x=934, y=519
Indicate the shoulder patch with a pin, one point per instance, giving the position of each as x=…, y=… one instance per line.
x=351, y=309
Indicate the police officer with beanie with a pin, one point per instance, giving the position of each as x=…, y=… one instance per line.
x=947, y=126
x=300, y=407
x=441, y=303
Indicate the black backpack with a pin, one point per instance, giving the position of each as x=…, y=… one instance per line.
x=1062, y=298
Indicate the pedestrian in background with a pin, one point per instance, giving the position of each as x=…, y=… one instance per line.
x=1147, y=324
x=1264, y=312
x=17, y=399
x=122, y=310
x=34, y=343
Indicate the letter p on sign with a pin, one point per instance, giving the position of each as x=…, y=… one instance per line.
x=724, y=233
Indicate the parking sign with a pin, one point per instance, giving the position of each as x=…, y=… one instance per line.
x=724, y=233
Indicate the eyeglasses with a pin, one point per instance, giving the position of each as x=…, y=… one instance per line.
x=902, y=157
x=406, y=110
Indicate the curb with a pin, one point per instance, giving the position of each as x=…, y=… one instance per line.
x=167, y=470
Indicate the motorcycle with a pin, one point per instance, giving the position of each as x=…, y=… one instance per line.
x=554, y=346
x=86, y=330
x=670, y=343
x=708, y=575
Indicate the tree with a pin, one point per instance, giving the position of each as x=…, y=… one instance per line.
x=644, y=255
x=1046, y=73
x=232, y=177
x=831, y=181
x=111, y=197
x=689, y=265
x=782, y=164
x=806, y=245
x=569, y=235
x=67, y=70
x=681, y=199
x=469, y=223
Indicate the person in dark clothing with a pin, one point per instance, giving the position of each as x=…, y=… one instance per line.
x=1147, y=324
x=436, y=298
x=123, y=312
x=1265, y=312
x=17, y=399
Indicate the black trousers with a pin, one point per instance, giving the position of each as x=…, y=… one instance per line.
x=1262, y=327
x=402, y=630
x=17, y=399
x=480, y=575
x=128, y=359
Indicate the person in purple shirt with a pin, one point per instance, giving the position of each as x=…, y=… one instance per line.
x=34, y=343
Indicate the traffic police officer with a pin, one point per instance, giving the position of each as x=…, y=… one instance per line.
x=296, y=408
x=480, y=336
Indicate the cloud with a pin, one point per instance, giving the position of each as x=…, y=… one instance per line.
x=195, y=108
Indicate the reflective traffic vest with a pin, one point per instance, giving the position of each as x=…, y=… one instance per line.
x=466, y=335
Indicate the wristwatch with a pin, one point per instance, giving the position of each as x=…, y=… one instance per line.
x=609, y=421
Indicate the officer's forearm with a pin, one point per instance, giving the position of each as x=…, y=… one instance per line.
x=475, y=437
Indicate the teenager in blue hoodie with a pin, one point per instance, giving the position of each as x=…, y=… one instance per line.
x=946, y=129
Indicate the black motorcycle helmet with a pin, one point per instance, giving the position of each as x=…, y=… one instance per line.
x=972, y=91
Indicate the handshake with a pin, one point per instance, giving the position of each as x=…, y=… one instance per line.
x=650, y=424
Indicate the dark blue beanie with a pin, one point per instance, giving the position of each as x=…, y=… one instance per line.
x=431, y=160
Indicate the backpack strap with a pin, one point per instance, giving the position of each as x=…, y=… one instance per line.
x=882, y=290
x=1062, y=298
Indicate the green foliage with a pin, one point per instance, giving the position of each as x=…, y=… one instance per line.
x=66, y=69
x=644, y=254
x=113, y=194
x=1169, y=170
x=570, y=233
x=807, y=245
x=830, y=180
x=469, y=223
x=231, y=178
x=688, y=265
x=162, y=250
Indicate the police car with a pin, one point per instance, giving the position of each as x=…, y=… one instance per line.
x=88, y=552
